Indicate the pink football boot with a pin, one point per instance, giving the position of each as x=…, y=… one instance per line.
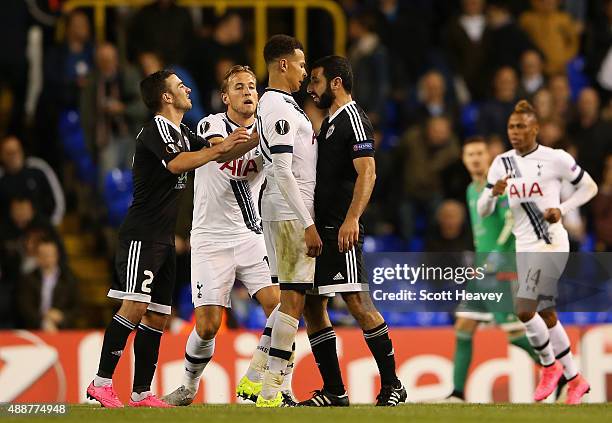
x=576, y=388
x=105, y=395
x=150, y=401
x=549, y=378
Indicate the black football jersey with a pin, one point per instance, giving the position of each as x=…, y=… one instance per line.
x=344, y=136
x=153, y=213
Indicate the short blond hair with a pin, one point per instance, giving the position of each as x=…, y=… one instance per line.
x=235, y=70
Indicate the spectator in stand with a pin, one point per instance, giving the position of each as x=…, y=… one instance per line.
x=554, y=33
x=505, y=41
x=593, y=136
x=552, y=134
x=65, y=70
x=532, y=75
x=463, y=39
x=405, y=30
x=111, y=110
x=31, y=177
x=213, y=97
x=48, y=297
x=433, y=101
x=563, y=108
x=425, y=152
x=8, y=287
x=161, y=26
x=67, y=65
x=225, y=44
x=494, y=112
x=23, y=222
x=543, y=104
x=151, y=62
x=598, y=50
x=451, y=233
x=14, y=26
x=370, y=63
x=602, y=209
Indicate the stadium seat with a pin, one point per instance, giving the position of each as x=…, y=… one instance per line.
x=118, y=189
x=469, y=119
x=383, y=243
x=576, y=77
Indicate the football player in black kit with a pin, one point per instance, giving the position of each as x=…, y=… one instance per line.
x=345, y=179
x=145, y=262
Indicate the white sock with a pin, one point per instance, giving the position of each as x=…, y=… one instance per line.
x=102, y=381
x=140, y=396
x=198, y=353
x=562, y=349
x=539, y=338
x=288, y=377
x=283, y=336
x=259, y=362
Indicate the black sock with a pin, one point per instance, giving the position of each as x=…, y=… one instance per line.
x=382, y=349
x=115, y=337
x=323, y=345
x=146, y=352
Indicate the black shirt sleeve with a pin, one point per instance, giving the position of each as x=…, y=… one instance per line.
x=361, y=134
x=159, y=141
x=196, y=142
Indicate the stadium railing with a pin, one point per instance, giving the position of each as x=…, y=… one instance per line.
x=260, y=8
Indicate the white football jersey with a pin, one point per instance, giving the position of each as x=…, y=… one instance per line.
x=535, y=185
x=225, y=195
x=283, y=127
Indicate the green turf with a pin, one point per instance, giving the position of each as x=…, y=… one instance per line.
x=412, y=413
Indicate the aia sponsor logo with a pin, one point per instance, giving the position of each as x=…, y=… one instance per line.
x=239, y=167
x=525, y=190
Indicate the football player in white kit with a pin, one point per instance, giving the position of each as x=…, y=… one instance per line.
x=532, y=175
x=287, y=144
x=227, y=241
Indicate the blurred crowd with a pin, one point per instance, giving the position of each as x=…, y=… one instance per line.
x=429, y=73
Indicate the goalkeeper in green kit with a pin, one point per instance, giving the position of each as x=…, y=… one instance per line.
x=494, y=244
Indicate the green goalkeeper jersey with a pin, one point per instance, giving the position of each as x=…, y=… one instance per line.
x=492, y=233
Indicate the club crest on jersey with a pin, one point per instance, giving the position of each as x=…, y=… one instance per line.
x=540, y=166
x=206, y=126
x=171, y=148
x=239, y=167
x=181, y=183
x=330, y=131
x=282, y=127
x=523, y=191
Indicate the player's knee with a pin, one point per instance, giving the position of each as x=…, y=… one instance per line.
x=525, y=316
x=207, y=329
x=133, y=310
x=292, y=303
x=155, y=320
x=550, y=317
x=268, y=297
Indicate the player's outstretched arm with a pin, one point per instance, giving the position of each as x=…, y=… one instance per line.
x=239, y=150
x=190, y=160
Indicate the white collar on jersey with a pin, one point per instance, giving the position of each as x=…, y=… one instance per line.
x=235, y=124
x=169, y=123
x=341, y=109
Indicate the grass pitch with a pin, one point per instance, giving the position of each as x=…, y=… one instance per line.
x=409, y=413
